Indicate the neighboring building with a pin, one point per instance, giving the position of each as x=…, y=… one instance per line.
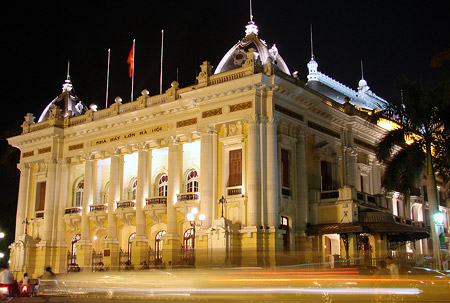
x=291, y=163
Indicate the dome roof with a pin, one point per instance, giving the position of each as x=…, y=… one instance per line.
x=237, y=54
x=67, y=101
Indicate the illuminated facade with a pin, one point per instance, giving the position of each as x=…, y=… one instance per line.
x=293, y=161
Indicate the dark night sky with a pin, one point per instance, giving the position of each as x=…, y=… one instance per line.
x=391, y=37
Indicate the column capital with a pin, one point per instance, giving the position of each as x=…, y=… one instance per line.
x=272, y=120
x=115, y=151
x=23, y=166
x=142, y=146
x=51, y=161
x=173, y=140
x=89, y=156
x=252, y=119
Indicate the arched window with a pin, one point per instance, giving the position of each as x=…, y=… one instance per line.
x=162, y=186
x=130, y=244
x=192, y=182
x=159, y=244
x=79, y=194
x=73, y=249
x=133, y=189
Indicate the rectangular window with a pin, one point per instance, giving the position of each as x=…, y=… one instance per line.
x=326, y=176
x=285, y=182
x=235, y=168
x=40, y=196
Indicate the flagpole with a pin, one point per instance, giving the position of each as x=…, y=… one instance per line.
x=162, y=49
x=132, y=76
x=107, y=78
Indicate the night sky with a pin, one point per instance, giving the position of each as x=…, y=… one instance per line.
x=391, y=37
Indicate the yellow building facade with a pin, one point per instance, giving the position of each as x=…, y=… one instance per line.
x=249, y=166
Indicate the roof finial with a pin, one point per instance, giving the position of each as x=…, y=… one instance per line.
x=312, y=48
x=251, y=27
x=362, y=70
x=68, y=69
x=362, y=85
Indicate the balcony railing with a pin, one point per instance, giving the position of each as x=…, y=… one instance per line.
x=98, y=207
x=234, y=191
x=156, y=200
x=125, y=204
x=329, y=194
x=73, y=210
x=188, y=197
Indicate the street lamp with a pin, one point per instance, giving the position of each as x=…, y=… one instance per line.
x=2, y=235
x=191, y=218
x=439, y=217
x=222, y=201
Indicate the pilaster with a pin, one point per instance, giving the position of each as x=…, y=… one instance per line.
x=254, y=173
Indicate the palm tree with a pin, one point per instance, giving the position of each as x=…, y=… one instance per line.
x=416, y=144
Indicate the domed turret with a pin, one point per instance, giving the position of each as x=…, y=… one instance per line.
x=237, y=54
x=67, y=101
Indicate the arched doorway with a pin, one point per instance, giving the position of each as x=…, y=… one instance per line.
x=188, y=246
x=72, y=255
x=130, y=244
x=285, y=226
x=159, y=245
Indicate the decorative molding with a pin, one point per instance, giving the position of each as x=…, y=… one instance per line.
x=187, y=122
x=28, y=154
x=323, y=129
x=240, y=106
x=212, y=113
x=76, y=146
x=288, y=112
x=365, y=144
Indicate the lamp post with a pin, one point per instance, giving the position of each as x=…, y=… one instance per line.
x=191, y=218
x=222, y=201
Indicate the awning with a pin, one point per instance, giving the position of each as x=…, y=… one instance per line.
x=394, y=231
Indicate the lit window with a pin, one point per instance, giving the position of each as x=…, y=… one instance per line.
x=79, y=194
x=162, y=186
x=192, y=182
x=133, y=189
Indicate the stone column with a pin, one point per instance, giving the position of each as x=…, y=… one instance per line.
x=84, y=246
x=264, y=199
x=61, y=262
x=111, y=243
x=140, y=191
x=352, y=167
x=206, y=177
x=63, y=197
x=140, y=241
x=376, y=177
x=272, y=173
x=302, y=184
x=149, y=173
x=49, y=201
x=172, y=244
x=87, y=198
x=254, y=173
x=22, y=199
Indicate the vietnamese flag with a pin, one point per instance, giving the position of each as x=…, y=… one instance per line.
x=130, y=61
